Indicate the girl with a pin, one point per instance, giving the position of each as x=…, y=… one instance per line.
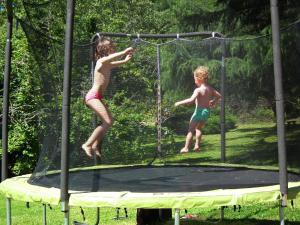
x=106, y=60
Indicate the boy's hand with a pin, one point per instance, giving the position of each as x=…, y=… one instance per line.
x=176, y=104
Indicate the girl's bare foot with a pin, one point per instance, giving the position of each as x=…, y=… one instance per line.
x=184, y=150
x=196, y=149
x=97, y=151
x=88, y=150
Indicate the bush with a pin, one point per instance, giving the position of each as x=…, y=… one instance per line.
x=256, y=114
x=23, y=112
x=213, y=125
x=126, y=141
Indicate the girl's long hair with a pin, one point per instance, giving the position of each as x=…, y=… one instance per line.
x=103, y=46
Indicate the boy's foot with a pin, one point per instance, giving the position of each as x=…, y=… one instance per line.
x=184, y=150
x=88, y=150
x=196, y=149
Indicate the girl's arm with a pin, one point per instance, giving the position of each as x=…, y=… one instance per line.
x=188, y=100
x=115, y=55
x=120, y=62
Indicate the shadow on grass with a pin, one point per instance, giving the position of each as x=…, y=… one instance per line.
x=261, y=151
x=253, y=146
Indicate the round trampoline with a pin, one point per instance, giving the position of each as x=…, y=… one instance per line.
x=156, y=187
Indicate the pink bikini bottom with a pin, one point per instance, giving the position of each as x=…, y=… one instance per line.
x=93, y=95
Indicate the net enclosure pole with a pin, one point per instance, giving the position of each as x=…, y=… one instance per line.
x=7, y=73
x=94, y=40
x=158, y=102
x=93, y=64
x=162, y=36
x=222, y=115
x=5, y=107
x=64, y=181
x=279, y=100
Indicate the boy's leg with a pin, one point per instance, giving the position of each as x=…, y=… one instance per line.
x=198, y=135
x=101, y=111
x=189, y=137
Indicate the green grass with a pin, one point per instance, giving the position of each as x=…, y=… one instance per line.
x=247, y=215
x=248, y=144
x=251, y=144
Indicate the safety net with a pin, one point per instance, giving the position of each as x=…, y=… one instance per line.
x=142, y=151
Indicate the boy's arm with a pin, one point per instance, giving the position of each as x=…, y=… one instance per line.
x=217, y=97
x=188, y=100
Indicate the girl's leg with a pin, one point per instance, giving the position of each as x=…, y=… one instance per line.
x=102, y=112
x=96, y=147
x=189, y=137
x=198, y=129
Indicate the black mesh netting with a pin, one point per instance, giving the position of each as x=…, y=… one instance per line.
x=133, y=96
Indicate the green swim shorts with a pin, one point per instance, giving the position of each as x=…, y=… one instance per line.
x=200, y=114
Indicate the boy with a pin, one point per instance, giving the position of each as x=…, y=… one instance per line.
x=204, y=97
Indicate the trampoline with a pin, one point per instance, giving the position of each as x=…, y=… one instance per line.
x=156, y=187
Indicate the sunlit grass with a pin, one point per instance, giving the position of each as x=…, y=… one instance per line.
x=247, y=144
x=246, y=215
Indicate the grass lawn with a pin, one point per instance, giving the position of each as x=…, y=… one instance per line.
x=252, y=144
x=246, y=215
x=248, y=144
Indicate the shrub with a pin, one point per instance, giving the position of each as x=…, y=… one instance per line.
x=213, y=125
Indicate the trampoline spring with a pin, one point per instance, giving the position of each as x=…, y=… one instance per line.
x=117, y=217
x=118, y=213
x=82, y=213
x=237, y=208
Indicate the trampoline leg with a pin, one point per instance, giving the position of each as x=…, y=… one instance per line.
x=281, y=214
x=44, y=214
x=98, y=216
x=177, y=217
x=8, y=211
x=65, y=210
x=222, y=213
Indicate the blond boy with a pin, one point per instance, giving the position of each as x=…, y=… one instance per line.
x=205, y=97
